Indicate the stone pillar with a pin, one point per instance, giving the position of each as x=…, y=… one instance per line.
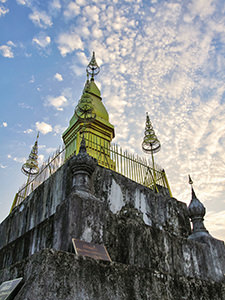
x=196, y=211
x=81, y=214
x=82, y=166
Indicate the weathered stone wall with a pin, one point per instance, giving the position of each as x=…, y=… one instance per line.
x=144, y=232
x=131, y=242
x=113, y=189
x=37, y=207
x=128, y=240
x=59, y=275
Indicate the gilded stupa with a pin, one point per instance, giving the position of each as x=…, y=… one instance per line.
x=90, y=119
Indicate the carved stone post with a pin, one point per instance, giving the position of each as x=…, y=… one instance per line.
x=196, y=212
x=82, y=166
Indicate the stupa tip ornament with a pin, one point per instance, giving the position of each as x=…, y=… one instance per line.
x=196, y=211
x=150, y=144
x=92, y=68
x=82, y=167
x=30, y=167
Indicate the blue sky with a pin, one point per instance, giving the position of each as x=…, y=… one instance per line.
x=164, y=57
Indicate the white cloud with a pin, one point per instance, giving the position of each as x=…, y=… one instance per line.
x=216, y=222
x=3, y=1
x=173, y=67
x=40, y=18
x=41, y=146
x=92, y=12
x=81, y=2
x=58, y=77
x=69, y=42
x=4, y=124
x=42, y=40
x=43, y=127
x=17, y=159
x=72, y=10
x=82, y=58
x=32, y=80
x=57, y=102
x=24, y=105
x=6, y=50
x=23, y=2
x=55, y=5
x=202, y=8
x=77, y=70
x=59, y=129
x=41, y=158
x=2, y=166
x=3, y=11
x=28, y=131
x=50, y=150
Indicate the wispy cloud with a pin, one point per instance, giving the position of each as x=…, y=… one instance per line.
x=17, y=159
x=72, y=10
x=41, y=18
x=59, y=129
x=24, y=105
x=58, y=77
x=164, y=57
x=3, y=10
x=28, y=131
x=55, y=6
x=69, y=42
x=43, y=127
x=6, y=50
x=170, y=68
x=23, y=2
x=57, y=102
x=42, y=40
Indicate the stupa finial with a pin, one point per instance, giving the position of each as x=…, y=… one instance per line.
x=190, y=181
x=30, y=167
x=92, y=68
x=196, y=211
x=150, y=144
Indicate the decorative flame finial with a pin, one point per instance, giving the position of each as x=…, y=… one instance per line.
x=30, y=167
x=196, y=211
x=190, y=180
x=93, y=68
x=151, y=143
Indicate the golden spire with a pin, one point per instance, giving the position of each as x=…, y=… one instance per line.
x=92, y=68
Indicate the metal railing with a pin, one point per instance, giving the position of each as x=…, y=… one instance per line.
x=113, y=157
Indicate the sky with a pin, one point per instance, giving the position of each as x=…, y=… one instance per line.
x=166, y=58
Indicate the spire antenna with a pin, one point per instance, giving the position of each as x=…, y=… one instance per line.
x=92, y=68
